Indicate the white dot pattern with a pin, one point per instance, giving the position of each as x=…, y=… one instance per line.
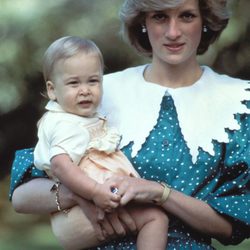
x=221, y=180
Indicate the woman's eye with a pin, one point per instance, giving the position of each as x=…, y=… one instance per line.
x=187, y=17
x=159, y=17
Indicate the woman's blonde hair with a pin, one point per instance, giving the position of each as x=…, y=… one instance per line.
x=214, y=15
x=64, y=48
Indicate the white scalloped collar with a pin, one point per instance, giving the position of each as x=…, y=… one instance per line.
x=204, y=109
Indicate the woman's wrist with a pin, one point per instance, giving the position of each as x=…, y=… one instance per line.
x=64, y=198
x=55, y=189
x=166, y=192
x=162, y=194
x=40, y=200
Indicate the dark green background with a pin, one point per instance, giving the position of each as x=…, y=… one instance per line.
x=27, y=27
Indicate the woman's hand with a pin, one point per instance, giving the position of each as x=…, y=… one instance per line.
x=107, y=225
x=117, y=224
x=137, y=189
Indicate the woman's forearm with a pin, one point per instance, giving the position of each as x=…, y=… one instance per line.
x=35, y=197
x=198, y=215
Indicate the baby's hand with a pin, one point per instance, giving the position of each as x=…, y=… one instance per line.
x=106, y=197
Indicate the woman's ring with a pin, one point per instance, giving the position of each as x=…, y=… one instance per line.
x=114, y=190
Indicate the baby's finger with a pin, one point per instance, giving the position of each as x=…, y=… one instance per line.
x=115, y=198
x=114, y=204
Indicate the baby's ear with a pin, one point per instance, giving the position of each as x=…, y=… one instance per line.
x=51, y=90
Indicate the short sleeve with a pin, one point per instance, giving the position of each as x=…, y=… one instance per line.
x=60, y=136
x=23, y=169
x=231, y=197
x=70, y=138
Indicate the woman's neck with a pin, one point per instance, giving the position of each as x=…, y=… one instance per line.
x=173, y=76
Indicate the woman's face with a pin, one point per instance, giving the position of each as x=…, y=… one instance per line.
x=175, y=34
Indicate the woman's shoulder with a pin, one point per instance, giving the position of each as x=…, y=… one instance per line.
x=228, y=88
x=223, y=78
x=210, y=107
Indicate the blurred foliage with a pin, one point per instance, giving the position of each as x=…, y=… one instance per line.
x=27, y=27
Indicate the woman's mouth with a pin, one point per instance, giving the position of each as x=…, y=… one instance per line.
x=175, y=47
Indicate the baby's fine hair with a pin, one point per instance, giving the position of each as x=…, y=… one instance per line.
x=64, y=48
x=214, y=15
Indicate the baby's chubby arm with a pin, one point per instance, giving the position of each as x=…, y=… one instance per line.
x=78, y=182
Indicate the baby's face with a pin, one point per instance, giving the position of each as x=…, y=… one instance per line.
x=77, y=84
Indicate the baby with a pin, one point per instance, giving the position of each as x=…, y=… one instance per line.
x=78, y=149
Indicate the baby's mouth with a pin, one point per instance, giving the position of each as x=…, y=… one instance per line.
x=85, y=103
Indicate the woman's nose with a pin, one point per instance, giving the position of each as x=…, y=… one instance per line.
x=173, y=30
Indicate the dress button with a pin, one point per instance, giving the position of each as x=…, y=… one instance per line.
x=165, y=142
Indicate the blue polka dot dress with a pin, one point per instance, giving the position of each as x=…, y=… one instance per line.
x=224, y=185
x=221, y=179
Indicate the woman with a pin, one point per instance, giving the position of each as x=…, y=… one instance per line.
x=181, y=123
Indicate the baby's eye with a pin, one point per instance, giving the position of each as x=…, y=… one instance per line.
x=94, y=82
x=187, y=17
x=72, y=83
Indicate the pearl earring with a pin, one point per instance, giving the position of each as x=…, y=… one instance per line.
x=143, y=30
x=204, y=28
